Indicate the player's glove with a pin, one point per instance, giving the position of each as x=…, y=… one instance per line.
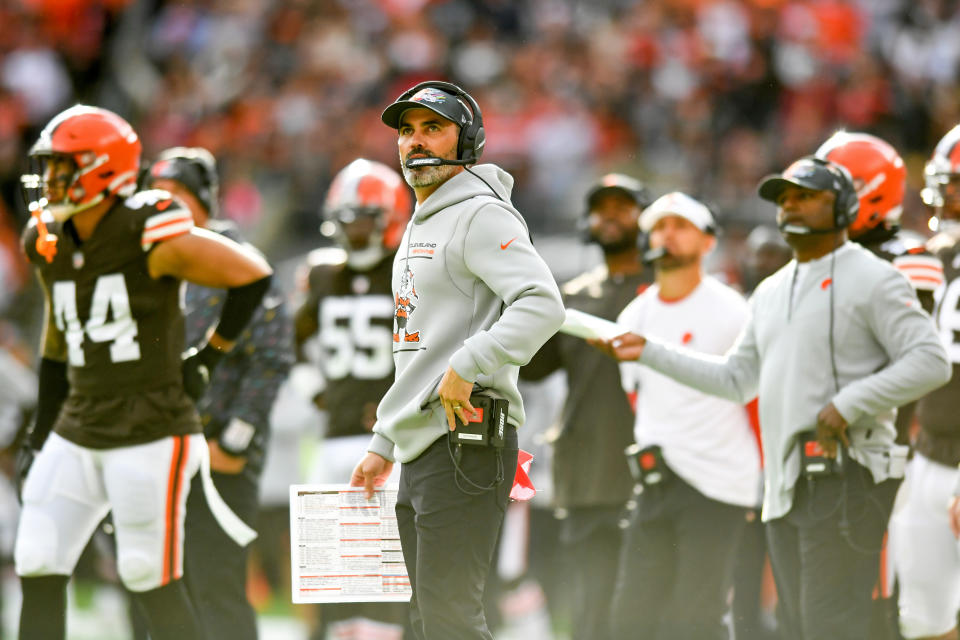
x=197, y=367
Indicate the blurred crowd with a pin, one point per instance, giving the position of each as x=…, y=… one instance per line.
x=699, y=95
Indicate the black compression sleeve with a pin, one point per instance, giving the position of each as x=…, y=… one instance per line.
x=239, y=306
x=53, y=390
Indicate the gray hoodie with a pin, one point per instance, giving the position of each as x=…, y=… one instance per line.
x=470, y=292
x=885, y=347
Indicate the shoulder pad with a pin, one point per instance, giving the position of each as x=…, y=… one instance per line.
x=943, y=241
x=327, y=256
x=148, y=198
x=588, y=282
x=910, y=242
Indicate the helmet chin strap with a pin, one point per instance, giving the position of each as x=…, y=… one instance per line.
x=63, y=212
x=364, y=259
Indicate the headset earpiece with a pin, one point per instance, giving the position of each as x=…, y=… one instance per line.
x=846, y=204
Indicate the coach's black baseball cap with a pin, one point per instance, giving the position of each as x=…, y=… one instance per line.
x=441, y=102
x=807, y=172
x=620, y=183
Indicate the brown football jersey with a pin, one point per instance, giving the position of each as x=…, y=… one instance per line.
x=123, y=331
x=939, y=410
x=351, y=313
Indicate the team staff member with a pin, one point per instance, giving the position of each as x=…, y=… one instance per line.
x=678, y=553
x=126, y=436
x=591, y=481
x=474, y=301
x=837, y=339
x=234, y=411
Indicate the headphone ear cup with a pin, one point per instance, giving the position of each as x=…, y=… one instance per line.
x=847, y=204
x=471, y=140
x=478, y=139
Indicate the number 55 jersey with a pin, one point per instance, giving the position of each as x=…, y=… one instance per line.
x=351, y=312
x=121, y=331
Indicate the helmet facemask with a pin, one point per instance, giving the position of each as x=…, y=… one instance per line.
x=359, y=231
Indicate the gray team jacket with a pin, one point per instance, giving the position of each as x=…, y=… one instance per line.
x=885, y=346
x=470, y=292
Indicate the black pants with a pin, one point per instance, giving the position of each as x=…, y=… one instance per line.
x=826, y=554
x=748, y=581
x=448, y=537
x=677, y=566
x=591, y=539
x=215, y=567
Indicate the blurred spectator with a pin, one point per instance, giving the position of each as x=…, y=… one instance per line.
x=673, y=90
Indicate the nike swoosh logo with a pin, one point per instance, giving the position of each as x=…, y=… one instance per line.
x=504, y=246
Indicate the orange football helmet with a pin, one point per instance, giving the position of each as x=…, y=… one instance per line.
x=942, y=168
x=104, y=150
x=878, y=173
x=367, y=188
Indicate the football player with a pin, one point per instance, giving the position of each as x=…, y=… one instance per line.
x=234, y=411
x=116, y=429
x=927, y=558
x=349, y=310
x=880, y=177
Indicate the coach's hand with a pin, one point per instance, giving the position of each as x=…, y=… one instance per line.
x=454, y=394
x=624, y=347
x=831, y=428
x=372, y=471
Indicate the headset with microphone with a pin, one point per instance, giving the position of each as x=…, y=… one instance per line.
x=472, y=137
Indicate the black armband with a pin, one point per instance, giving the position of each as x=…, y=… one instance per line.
x=239, y=306
x=53, y=390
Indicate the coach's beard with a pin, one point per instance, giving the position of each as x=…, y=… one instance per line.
x=426, y=176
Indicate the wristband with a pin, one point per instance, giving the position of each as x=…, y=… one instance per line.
x=239, y=306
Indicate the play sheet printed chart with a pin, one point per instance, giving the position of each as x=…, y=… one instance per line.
x=345, y=548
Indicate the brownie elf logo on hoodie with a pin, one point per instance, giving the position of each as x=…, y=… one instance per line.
x=405, y=303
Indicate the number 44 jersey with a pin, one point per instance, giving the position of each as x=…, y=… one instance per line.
x=121, y=331
x=351, y=313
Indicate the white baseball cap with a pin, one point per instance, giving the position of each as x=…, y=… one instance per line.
x=678, y=204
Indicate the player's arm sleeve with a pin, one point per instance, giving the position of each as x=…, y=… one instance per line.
x=267, y=349
x=533, y=310
x=918, y=360
x=52, y=384
x=53, y=343
x=733, y=376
